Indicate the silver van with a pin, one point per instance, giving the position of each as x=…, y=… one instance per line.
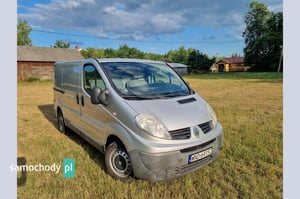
x=140, y=113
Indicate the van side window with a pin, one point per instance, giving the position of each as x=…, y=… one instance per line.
x=71, y=79
x=91, y=78
x=58, y=76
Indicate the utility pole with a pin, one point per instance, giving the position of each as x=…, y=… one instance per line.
x=279, y=64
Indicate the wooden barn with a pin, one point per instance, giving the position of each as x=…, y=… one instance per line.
x=232, y=64
x=38, y=62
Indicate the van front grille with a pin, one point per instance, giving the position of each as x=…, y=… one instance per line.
x=185, y=133
x=181, y=134
x=206, y=127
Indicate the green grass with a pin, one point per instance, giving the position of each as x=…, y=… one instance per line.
x=249, y=166
x=238, y=75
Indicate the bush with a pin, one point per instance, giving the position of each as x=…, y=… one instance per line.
x=33, y=79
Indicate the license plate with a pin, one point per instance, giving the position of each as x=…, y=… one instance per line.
x=200, y=155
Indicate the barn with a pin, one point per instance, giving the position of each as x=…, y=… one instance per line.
x=38, y=62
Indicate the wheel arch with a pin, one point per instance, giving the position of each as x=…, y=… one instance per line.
x=57, y=110
x=113, y=138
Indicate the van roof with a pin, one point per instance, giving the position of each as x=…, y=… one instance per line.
x=128, y=60
x=103, y=60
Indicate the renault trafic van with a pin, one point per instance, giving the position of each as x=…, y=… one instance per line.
x=141, y=114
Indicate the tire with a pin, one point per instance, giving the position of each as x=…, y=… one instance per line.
x=61, y=122
x=117, y=162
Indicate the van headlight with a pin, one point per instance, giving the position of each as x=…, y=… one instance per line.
x=212, y=115
x=151, y=126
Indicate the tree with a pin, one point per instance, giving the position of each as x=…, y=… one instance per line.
x=109, y=53
x=200, y=61
x=274, y=38
x=263, y=37
x=125, y=51
x=179, y=55
x=61, y=44
x=235, y=55
x=93, y=52
x=23, y=32
x=190, y=57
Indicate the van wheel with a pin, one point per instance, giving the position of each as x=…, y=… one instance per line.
x=61, y=122
x=117, y=161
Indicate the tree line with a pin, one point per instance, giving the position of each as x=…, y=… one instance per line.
x=190, y=57
x=263, y=44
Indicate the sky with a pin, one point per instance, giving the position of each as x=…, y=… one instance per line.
x=213, y=27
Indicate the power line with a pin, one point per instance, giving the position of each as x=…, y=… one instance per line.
x=138, y=41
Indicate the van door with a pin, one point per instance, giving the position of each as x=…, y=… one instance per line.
x=70, y=98
x=93, y=117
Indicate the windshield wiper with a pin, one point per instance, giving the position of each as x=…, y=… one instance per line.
x=148, y=97
x=176, y=94
x=137, y=97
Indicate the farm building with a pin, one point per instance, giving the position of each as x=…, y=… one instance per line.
x=180, y=68
x=37, y=62
x=232, y=64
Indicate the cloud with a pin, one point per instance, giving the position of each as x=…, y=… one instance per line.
x=135, y=19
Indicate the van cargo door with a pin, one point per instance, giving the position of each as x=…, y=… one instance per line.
x=71, y=86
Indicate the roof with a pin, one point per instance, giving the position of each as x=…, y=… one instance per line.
x=177, y=65
x=232, y=60
x=128, y=60
x=30, y=53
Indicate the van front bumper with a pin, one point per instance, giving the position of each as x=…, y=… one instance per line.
x=164, y=166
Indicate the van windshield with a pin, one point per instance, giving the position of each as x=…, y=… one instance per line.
x=135, y=80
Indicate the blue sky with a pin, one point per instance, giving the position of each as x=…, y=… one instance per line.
x=213, y=27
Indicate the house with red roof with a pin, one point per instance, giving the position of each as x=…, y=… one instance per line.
x=231, y=64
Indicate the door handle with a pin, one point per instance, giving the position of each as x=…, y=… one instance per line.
x=77, y=98
x=82, y=100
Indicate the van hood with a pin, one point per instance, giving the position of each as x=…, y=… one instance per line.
x=174, y=113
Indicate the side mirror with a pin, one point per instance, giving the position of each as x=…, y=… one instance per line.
x=99, y=96
x=95, y=93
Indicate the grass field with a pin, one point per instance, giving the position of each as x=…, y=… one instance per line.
x=249, y=106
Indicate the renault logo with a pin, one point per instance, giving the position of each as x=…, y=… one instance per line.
x=196, y=131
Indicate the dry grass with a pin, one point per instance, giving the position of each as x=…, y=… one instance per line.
x=250, y=164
